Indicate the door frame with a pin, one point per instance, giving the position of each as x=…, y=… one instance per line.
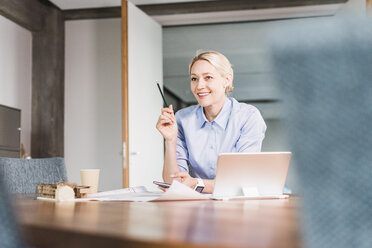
x=124, y=86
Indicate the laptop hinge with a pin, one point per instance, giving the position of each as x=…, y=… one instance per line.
x=250, y=191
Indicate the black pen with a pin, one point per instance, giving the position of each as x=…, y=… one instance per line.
x=162, y=95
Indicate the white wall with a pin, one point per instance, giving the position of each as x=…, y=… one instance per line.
x=15, y=73
x=93, y=117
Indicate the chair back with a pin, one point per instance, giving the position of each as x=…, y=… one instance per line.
x=22, y=175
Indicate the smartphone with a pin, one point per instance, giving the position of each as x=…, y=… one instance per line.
x=164, y=185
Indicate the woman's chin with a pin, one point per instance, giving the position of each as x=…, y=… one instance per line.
x=203, y=103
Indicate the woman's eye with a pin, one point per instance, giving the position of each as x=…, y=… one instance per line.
x=208, y=77
x=193, y=79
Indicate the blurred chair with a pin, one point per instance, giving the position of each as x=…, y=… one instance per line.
x=22, y=175
x=9, y=233
x=324, y=69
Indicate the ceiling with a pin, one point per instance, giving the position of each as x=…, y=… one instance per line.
x=191, y=12
x=85, y=4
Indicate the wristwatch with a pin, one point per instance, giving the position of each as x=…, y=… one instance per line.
x=200, y=186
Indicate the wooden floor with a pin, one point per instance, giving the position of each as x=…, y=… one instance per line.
x=249, y=223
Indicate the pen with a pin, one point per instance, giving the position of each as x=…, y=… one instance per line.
x=162, y=95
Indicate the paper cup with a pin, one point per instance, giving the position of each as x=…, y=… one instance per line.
x=90, y=177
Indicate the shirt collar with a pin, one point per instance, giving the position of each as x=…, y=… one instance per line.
x=221, y=119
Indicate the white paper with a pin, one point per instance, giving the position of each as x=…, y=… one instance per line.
x=177, y=191
x=139, y=189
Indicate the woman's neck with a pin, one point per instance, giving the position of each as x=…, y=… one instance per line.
x=212, y=111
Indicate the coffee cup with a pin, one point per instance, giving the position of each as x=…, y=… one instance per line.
x=90, y=177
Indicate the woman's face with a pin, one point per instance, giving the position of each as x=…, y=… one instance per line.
x=207, y=84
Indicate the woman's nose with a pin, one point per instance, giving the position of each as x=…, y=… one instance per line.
x=201, y=84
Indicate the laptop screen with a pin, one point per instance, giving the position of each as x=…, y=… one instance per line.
x=251, y=174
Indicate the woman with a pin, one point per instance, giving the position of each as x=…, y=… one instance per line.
x=218, y=124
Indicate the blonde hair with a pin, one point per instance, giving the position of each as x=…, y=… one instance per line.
x=219, y=61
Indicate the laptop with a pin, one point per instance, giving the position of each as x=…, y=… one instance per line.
x=251, y=175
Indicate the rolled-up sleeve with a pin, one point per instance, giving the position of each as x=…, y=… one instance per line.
x=181, y=149
x=252, y=133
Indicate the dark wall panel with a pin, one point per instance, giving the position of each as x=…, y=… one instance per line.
x=47, y=139
x=26, y=13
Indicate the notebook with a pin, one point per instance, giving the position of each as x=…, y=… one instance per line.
x=251, y=175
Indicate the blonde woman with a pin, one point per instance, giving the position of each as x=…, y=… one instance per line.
x=218, y=124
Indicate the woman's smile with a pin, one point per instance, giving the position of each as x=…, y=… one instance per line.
x=203, y=95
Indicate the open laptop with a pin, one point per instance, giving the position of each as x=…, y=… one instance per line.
x=251, y=175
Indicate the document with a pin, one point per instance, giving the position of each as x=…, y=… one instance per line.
x=177, y=191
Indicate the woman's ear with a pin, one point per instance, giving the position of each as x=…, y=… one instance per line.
x=228, y=80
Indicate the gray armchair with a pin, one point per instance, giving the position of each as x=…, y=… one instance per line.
x=324, y=69
x=22, y=175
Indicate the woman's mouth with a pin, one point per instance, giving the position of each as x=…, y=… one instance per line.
x=203, y=94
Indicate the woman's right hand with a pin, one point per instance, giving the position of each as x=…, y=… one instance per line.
x=167, y=124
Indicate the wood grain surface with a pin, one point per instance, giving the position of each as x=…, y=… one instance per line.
x=243, y=223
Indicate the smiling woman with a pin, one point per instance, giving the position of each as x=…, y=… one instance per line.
x=218, y=124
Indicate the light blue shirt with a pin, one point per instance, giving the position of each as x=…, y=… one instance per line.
x=239, y=127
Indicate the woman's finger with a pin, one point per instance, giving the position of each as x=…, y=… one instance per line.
x=167, y=114
x=164, y=117
x=159, y=123
x=170, y=116
x=165, y=121
x=162, y=188
x=167, y=110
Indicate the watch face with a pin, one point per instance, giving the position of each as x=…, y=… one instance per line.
x=199, y=189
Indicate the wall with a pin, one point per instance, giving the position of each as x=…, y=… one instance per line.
x=15, y=73
x=93, y=99
x=353, y=7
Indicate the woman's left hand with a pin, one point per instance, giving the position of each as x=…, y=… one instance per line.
x=185, y=178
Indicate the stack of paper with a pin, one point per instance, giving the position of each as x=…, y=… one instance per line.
x=177, y=191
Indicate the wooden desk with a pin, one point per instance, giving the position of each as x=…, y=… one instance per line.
x=250, y=223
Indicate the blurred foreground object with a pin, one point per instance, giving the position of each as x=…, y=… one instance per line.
x=9, y=231
x=324, y=69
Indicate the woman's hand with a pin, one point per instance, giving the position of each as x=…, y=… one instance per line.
x=167, y=124
x=162, y=188
x=185, y=178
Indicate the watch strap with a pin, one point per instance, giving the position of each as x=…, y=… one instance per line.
x=200, y=182
x=200, y=186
